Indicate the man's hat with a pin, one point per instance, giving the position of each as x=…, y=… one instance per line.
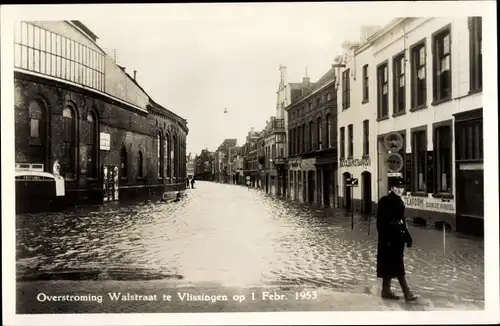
x=396, y=182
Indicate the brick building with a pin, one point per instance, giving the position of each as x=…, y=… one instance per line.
x=312, y=145
x=251, y=166
x=75, y=106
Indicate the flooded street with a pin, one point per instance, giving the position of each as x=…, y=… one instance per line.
x=232, y=236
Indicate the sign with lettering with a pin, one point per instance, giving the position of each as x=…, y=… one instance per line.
x=429, y=203
x=355, y=162
x=105, y=141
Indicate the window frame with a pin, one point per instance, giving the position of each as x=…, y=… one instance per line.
x=366, y=85
x=366, y=138
x=93, y=142
x=381, y=115
x=342, y=142
x=73, y=142
x=397, y=74
x=346, y=101
x=475, y=54
x=437, y=151
x=414, y=67
x=437, y=56
x=414, y=161
x=350, y=141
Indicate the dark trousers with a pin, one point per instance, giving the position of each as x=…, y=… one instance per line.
x=386, y=285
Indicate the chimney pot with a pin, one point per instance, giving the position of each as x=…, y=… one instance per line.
x=135, y=74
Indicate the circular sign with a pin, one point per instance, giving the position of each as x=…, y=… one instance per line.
x=248, y=177
x=394, y=162
x=248, y=183
x=393, y=142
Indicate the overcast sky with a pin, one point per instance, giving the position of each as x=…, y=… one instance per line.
x=197, y=60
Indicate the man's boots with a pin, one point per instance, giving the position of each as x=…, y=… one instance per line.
x=386, y=290
x=409, y=296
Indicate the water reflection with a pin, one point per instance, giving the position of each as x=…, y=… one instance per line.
x=233, y=236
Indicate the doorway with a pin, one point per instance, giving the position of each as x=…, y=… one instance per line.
x=470, y=198
x=310, y=186
x=326, y=187
x=347, y=191
x=366, y=180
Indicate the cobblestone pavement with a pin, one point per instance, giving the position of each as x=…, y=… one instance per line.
x=235, y=238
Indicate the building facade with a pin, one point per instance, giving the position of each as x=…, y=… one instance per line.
x=357, y=122
x=204, y=165
x=251, y=169
x=312, y=143
x=76, y=109
x=428, y=90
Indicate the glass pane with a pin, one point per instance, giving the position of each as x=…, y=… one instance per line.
x=446, y=44
x=53, y=45
x=58, y=67
x=402, y=65
x=67, y=113
x=24, y=33
x=421, y=55
x=59, y=45
x=68, y=48
x=37, y=61
x=34, y=128
x=43, y=40
x=384, y=89
x=17, y=33
x=42, y=62
x=401, y=81
x=17, y=55
x=385, y=73
x=445, y=63
x=30, y=35
x=53, y=65
x=421, y=73
x=30, y=59
x=36, y=31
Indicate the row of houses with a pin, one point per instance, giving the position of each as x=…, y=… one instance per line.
x=404, y=100
x=83, y=118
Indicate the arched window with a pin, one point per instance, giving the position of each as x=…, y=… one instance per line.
x=68, y=159
x=320, y=134
x=328, y=131
x=123, y=163
x=92, y=152
x=140, y=167
x=38, y=132
x=168, y=150
x=159, y=153
x=175, y=155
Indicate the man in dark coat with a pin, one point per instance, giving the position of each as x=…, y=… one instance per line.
x=393, y=235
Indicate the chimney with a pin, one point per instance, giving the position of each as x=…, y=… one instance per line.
x=135, y=74
x=306, y=80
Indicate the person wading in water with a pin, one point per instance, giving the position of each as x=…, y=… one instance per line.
x=393, y=235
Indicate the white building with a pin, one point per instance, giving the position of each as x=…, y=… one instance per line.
x=428, y=90
x=356, y=106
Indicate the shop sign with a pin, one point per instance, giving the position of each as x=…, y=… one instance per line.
x=348, y=162
x=429, y=203
x=105, y=141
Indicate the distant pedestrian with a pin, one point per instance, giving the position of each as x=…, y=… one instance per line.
x=187, y=183
x=192, y=183
x=393, y=235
